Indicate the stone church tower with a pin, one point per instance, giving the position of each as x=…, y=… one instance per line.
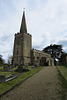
x=22, y=45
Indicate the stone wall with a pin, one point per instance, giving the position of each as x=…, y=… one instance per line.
x=22, y=49
x=18, y=45
x=39, y=56
x=27, y=46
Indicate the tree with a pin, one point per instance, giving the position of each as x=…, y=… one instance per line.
x=1, y=60
x=62, y=59
x=54, y=50
x=10, y=60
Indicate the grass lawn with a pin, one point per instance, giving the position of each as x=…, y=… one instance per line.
x=5, y=73
x=63, y=78
x=63, y=71
x=1, y=67
x=10, y=84
x=14, y=68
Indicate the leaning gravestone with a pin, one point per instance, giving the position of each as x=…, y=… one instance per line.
x=2, y=78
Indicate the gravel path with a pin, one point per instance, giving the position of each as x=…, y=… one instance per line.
x=44, y=85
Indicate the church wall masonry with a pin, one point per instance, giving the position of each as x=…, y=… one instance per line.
x=37, y=57
x=23, y=54
x=27, y=46
x=22, y=49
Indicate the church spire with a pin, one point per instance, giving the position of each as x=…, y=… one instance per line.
x=23, y=28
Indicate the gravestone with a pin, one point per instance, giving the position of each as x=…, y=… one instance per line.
x=2, y=78
x=8, y=66
x=20, y=69
x=33, y=67
x=5, y=68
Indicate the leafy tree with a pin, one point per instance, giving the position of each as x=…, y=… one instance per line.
x=54, y=50
x=1, y=60
x=62, y=59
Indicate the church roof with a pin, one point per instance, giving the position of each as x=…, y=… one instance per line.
x=23, y=28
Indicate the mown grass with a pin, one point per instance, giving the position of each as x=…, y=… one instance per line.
x=1, y=67
x=63, y=71
x=5, y=73
x=63, y=77
x=14, y=68
x=10, y=84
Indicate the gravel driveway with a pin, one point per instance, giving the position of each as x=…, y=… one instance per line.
x=44, y=85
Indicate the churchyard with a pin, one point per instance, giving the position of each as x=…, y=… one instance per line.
x=7, y=73
x=10, y=77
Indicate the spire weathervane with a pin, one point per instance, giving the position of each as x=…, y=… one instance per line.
x=23, y=9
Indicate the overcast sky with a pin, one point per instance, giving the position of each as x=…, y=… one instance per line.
x=46, y=21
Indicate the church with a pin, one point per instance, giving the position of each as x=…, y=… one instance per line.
x=23, y=54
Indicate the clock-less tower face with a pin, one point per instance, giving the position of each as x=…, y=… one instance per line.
x=18, y=39
x=27, y=48
x=18, y=48
x=22, y=49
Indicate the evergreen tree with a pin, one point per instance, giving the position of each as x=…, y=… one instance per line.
x=55, y=51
